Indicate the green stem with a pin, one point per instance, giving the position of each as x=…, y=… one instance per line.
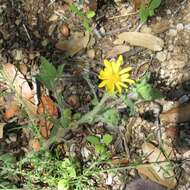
x=89, y=117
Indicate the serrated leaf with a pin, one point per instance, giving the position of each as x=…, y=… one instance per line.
x=147, y=92
x=93, y=140
x=107, y=139
x=111, y=117
x=90, y=14
x=154, y=4
x=48, y=74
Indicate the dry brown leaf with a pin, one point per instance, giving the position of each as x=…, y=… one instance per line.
x=145, y=40
x=74, y=44
x=46, y=109
x=117, y=50
x=159, y=171
x=138, y=3
x=21, y=87
x=11, y=110
x=176, y=115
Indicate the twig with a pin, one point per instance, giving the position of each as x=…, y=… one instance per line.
x=28, y=35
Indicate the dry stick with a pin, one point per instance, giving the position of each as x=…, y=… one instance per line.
x=27, y=33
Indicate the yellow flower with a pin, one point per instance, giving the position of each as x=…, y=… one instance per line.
x=113, y=77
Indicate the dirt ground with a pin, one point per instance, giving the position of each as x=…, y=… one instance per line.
x=30, y=29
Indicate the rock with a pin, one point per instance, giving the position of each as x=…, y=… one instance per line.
x=161, y=56
x=179, y=27
x=91, y=53
x=168, y=12
x=172, y=32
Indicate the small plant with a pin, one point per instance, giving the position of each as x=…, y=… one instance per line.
x=86, y=18
x=147, y=11
x=101, y=144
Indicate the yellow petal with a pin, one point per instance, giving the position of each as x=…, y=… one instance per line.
x=107, y=64
x=118, y=88
x=102, y=84
x=130, y=81
x=120, y=60
x=125, y=70
x=103, y=75
x=123, y=77
x=122, y=84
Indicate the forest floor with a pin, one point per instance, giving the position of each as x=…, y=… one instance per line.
x=59, y=130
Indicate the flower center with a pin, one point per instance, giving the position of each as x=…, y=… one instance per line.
x=114, y=78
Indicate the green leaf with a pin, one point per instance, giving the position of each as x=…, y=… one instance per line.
x=99, y=148
x=63, y=184
x=154, y=4
x=144, y=14
x=147, y=92
x=93, y=140
x=60, y=69
x=107, y=139
x=48, y=74
x=67, y=116
x=151, y=12
x=90, y=14
x=111, y=117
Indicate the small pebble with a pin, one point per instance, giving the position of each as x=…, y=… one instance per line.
x=168, y=12
x=172, y=32
x=179, y=27
x=161, y=56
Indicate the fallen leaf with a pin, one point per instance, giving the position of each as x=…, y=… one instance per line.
x=145, y=40
x=138, y=3
x=176, y=115
x=46, y=110
x=74, y=44
x=117, y=50
x=159, y=171
x=11, y=109
x=21, y=87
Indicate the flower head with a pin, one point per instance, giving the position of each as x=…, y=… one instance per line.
x=113, y=77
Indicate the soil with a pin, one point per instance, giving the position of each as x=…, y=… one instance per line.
x=31, y=29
